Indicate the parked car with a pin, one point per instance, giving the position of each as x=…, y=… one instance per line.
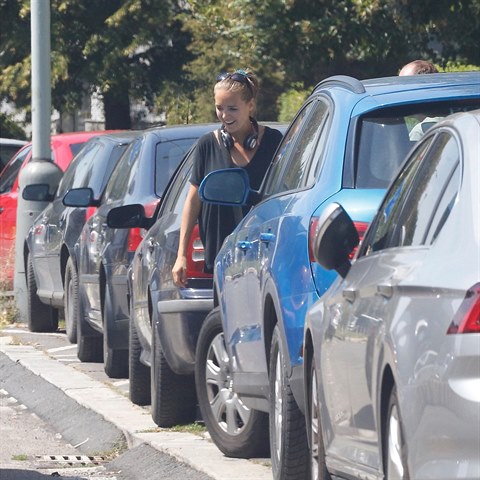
x=49, y=251
x=392, y=358
x=165, y=319
x=105, y=253
x=345, y=145
x=64, y=147
x=8, y=148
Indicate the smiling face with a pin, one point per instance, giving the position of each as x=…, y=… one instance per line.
x=234, y=112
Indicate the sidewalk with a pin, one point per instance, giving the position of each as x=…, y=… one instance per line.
x=135, y=423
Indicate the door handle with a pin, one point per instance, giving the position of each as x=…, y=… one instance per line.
x=244, y=245
x=349, y=295
x=151, y=246
x=267, y=237
x=385, y=290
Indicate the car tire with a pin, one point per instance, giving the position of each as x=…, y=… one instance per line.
x=89, y=341
x=40, y=316
x=288, y=436
x=173, y=396
x=394, y=447
x=234, y=428
x=115, y=361
x=139, y=374
x=71, y=301
x=318, y=468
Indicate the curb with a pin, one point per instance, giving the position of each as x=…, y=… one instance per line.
x=135, y=422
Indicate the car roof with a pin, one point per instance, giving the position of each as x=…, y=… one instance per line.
x=179, y=131
x=395, y=84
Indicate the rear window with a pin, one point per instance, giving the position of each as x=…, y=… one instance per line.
x=9, y=174
x=385, y=137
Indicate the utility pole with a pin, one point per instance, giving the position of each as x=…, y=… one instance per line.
x=41, y=169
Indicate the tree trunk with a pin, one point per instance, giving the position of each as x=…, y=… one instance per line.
x=117, y=110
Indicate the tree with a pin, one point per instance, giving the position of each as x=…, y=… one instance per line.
x=123, y=48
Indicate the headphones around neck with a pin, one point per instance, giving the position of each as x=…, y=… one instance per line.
x=250, y=141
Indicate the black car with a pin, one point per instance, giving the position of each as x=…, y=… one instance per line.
x=165, y=319
x=51, y=264
x=105, y=253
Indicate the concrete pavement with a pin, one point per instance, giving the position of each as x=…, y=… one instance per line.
x=135, y=422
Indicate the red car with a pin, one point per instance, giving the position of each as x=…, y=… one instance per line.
x=64, y=147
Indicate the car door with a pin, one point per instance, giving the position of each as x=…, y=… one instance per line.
x=255, y=245
x=381, y=284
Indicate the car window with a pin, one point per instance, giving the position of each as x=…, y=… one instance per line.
x=80, y=170
x=124, y=173
x=101, y=171
x=436, y=185
x=167, y=158
x=383, y=227
x=9, y=174
x=178, y=189
x=280, y=162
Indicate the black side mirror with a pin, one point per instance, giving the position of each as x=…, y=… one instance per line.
x=129, y=216
x=335, y=239
x=38, y=192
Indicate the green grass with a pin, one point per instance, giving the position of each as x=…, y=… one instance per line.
x=21, y=457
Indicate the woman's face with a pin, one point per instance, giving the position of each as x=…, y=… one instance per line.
x=233, y=111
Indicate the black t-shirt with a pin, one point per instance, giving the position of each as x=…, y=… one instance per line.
x=218, y=221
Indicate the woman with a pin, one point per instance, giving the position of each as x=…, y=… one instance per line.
x=240, y=142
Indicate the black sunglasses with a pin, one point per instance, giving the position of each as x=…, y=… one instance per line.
x=236, y=77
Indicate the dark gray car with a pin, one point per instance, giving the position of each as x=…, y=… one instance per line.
x=105, y=253
x=51, y=264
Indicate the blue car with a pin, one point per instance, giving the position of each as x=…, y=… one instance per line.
x=345, y=145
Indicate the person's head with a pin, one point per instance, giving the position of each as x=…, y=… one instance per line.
x=235, y=99
x=418, y=67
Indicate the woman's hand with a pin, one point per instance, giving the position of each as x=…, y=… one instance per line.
x=179, y=272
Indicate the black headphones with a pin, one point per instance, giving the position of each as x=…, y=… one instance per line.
x=250, y=141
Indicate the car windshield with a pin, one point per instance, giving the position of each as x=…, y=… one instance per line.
x=386, y=137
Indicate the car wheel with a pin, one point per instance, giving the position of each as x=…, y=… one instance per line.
x=236, y=430
x=288, y=437
x=115, y=361
x=71, y=301
x=89, y=341
x=394, y=448
x=40, y=316
x=173, y=396
x=139, y=373
x=318, y=468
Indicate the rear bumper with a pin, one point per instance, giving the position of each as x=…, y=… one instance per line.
x=178, y=326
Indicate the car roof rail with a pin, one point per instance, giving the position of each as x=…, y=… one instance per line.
x=342, y=81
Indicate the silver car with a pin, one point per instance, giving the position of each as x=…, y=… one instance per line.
x=392, y=349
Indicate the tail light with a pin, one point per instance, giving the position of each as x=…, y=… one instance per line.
x=135, y=235
x=360, y=226
x=467, y=318
x=196, y=256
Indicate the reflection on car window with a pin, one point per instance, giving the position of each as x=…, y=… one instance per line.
x=124, y=173
x=9, y=174
x=382, y=230
x=433, y=180
x=279, y=163
x=167, y=158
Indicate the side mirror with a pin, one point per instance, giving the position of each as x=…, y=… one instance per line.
x=228, y=186
x=38, y=192
x=80, y=197
x=335, y=239
x=129, y=216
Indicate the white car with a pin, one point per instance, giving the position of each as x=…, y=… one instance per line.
x=392, y=349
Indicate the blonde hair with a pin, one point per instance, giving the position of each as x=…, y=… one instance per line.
x=243, y=81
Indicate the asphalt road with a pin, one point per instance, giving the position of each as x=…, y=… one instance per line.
x=79, y=407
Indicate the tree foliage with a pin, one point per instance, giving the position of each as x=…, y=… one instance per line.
x=167, y=53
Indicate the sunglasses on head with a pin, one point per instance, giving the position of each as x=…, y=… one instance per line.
x=236, y=76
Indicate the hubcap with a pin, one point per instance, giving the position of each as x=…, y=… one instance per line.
x=227, y=408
